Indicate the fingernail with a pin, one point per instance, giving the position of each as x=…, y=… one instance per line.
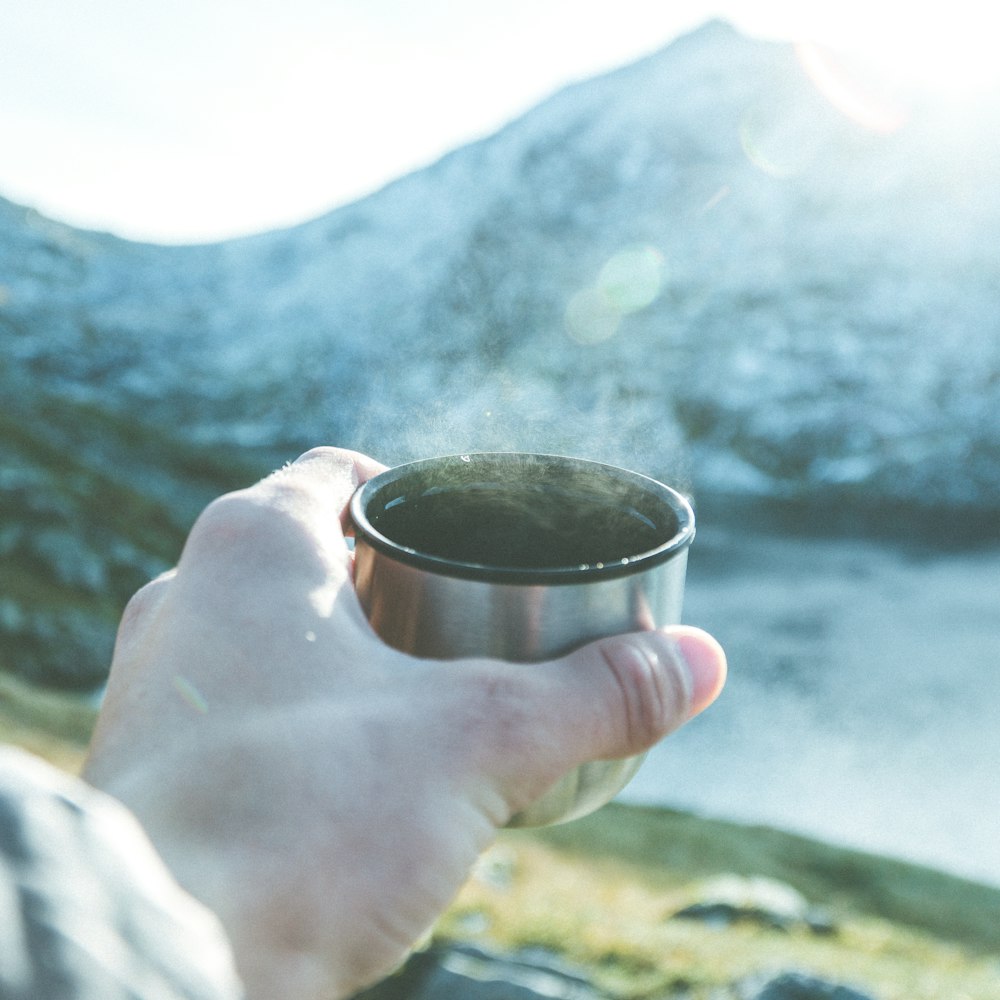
x=706, y=663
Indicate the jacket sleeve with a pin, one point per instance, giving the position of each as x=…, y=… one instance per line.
x=87, y=909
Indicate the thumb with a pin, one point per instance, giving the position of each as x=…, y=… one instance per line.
x=610, y=699
x=633, y=690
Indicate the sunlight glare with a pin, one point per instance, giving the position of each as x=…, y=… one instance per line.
x=953, y=55
x=922, y=51
x=629, y=281
x=867, y=101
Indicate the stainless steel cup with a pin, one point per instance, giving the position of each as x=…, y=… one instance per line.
x=522, y=557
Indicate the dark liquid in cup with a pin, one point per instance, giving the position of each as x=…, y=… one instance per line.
x=524, y=525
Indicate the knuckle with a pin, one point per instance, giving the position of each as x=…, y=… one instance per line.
x=248, y=537
x=326, y=453
x=268, y=537
x=228, y=521
x=143, y=604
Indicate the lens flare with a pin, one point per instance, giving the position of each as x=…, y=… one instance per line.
x=853, y=93
x=190, y=694
x=777, y=141
x=630, y=281
x=633, y=278
x=591, y=318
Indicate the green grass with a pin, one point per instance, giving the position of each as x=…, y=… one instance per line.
x=54, y=725
x=602, y=892
x=667, y=842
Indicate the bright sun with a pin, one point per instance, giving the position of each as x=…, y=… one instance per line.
x=873, y=59
x=948, y=52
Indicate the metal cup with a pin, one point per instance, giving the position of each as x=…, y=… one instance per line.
x=522, y=557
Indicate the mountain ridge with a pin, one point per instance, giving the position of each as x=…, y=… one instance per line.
x=695, y=265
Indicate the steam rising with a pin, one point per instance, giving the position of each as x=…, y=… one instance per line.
x=583, y=390
x=532, y=413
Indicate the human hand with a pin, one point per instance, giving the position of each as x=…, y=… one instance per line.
x=323, y=793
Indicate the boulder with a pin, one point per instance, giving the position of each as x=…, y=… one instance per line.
x=798, y=986
x=464, y=972
x=731, y=899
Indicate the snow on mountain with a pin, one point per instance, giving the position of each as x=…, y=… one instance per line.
x=823, y=311
x=696, y=265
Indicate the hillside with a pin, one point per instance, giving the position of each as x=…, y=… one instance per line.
x=695, y=265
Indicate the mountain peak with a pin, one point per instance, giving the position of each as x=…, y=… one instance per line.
x=787, y=254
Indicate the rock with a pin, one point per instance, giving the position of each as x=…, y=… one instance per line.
x=798, y=986
x=731, y=899
x=464, y=972
x=467, y=972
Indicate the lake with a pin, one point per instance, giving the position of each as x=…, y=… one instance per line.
x=863, y=704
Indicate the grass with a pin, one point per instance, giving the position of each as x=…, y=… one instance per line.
x=603, y=892
x=668, y=842
x=54, y=725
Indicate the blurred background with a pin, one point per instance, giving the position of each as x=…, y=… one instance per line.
x=750, y=252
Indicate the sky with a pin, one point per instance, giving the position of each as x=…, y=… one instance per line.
x=201, y=120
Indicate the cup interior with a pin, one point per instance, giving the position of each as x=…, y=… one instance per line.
x=521, y=513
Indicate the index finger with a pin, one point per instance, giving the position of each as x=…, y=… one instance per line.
x=330, y=475
x=294, y=515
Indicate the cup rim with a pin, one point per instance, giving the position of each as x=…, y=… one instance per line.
x=366, y=533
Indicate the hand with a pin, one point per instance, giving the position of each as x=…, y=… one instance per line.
x=324, y=794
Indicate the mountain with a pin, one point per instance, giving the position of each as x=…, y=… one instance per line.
x=697, y=265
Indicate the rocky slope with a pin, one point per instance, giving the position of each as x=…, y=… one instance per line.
x=696, y=265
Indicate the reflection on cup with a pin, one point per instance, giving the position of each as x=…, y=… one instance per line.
x=522, y=557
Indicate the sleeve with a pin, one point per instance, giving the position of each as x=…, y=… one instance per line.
x=88, y=910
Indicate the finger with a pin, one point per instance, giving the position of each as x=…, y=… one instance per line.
x=637, y=689
x=706, y=660
x=617, y=697
x=290, y=519
x=531, y=723
x=322, y=460
x=322, y=470
x=329, y=475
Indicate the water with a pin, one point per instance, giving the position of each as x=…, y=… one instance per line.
x=863, y=698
